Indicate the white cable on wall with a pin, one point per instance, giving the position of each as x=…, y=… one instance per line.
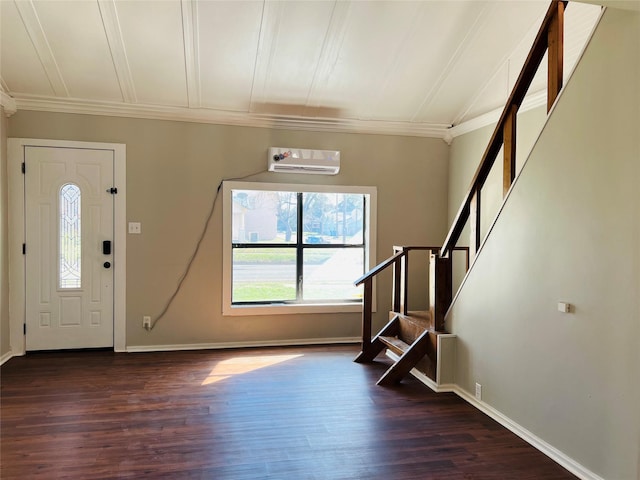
x=197, y=249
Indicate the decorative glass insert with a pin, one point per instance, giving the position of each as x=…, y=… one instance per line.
x=70, y=245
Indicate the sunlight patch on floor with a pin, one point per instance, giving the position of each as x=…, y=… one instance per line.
x=239, y=365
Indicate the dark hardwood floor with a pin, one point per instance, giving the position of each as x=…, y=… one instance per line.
x=278, y=413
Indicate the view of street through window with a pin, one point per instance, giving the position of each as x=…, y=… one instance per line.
x=272, y=263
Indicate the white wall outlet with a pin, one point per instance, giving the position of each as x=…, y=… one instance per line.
x=478, y=391
x=135, y=227
x=146, y=322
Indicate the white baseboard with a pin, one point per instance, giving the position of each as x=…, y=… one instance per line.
x=5, y=358
x=449, y=387
x=549, y=450
x=218, y=346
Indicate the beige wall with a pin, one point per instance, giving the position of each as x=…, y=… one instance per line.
x=569, y=232
x=173, y=170
x=4, y=263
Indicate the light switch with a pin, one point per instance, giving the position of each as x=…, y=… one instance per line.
x=564, y=307
x=135, y=227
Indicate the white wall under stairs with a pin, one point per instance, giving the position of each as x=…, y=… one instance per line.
x=569, y=232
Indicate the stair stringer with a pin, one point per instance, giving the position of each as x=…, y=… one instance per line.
x=369, y=353
x=401, y=367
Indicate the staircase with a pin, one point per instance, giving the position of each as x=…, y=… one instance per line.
x=415, y=339
x=411, y=339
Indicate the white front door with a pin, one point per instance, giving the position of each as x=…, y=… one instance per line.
x=69, y=247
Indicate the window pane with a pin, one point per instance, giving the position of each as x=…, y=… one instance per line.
x=329, y=273
x=264, y=274
x=330, y=218
x=70, y=242
x=263, y=217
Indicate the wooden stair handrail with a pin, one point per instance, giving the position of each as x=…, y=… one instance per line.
x=400, y=288
x=549, y=36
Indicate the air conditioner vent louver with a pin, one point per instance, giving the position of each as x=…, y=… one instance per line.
x=298, y=160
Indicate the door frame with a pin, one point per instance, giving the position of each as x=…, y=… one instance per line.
x=17, y=261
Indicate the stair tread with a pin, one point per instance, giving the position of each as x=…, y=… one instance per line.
x=421, y=318
x=395, y=342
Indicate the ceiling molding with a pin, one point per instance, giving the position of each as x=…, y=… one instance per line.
x=191, y=51
x=115, y=41
x=8, y=103
x=622, y=4
x=532, y=101
x=204, y=115
x=31, y=21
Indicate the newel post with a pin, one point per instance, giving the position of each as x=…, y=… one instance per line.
x=440, y=289
x=367, y=308
x=400, y=281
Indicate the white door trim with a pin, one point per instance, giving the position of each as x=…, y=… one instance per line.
x=17, y=274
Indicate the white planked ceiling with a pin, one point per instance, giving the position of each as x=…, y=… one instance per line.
x=402, y=67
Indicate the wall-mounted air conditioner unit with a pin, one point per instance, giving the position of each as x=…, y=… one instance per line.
x=299, y=160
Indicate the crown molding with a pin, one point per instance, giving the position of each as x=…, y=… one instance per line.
x=8, y=103
x=222, y=117
x=206, y=115
x=534, y=100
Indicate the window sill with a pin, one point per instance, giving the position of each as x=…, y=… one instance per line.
x=250, y=310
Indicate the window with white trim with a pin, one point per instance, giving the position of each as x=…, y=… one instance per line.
x=295, y=248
